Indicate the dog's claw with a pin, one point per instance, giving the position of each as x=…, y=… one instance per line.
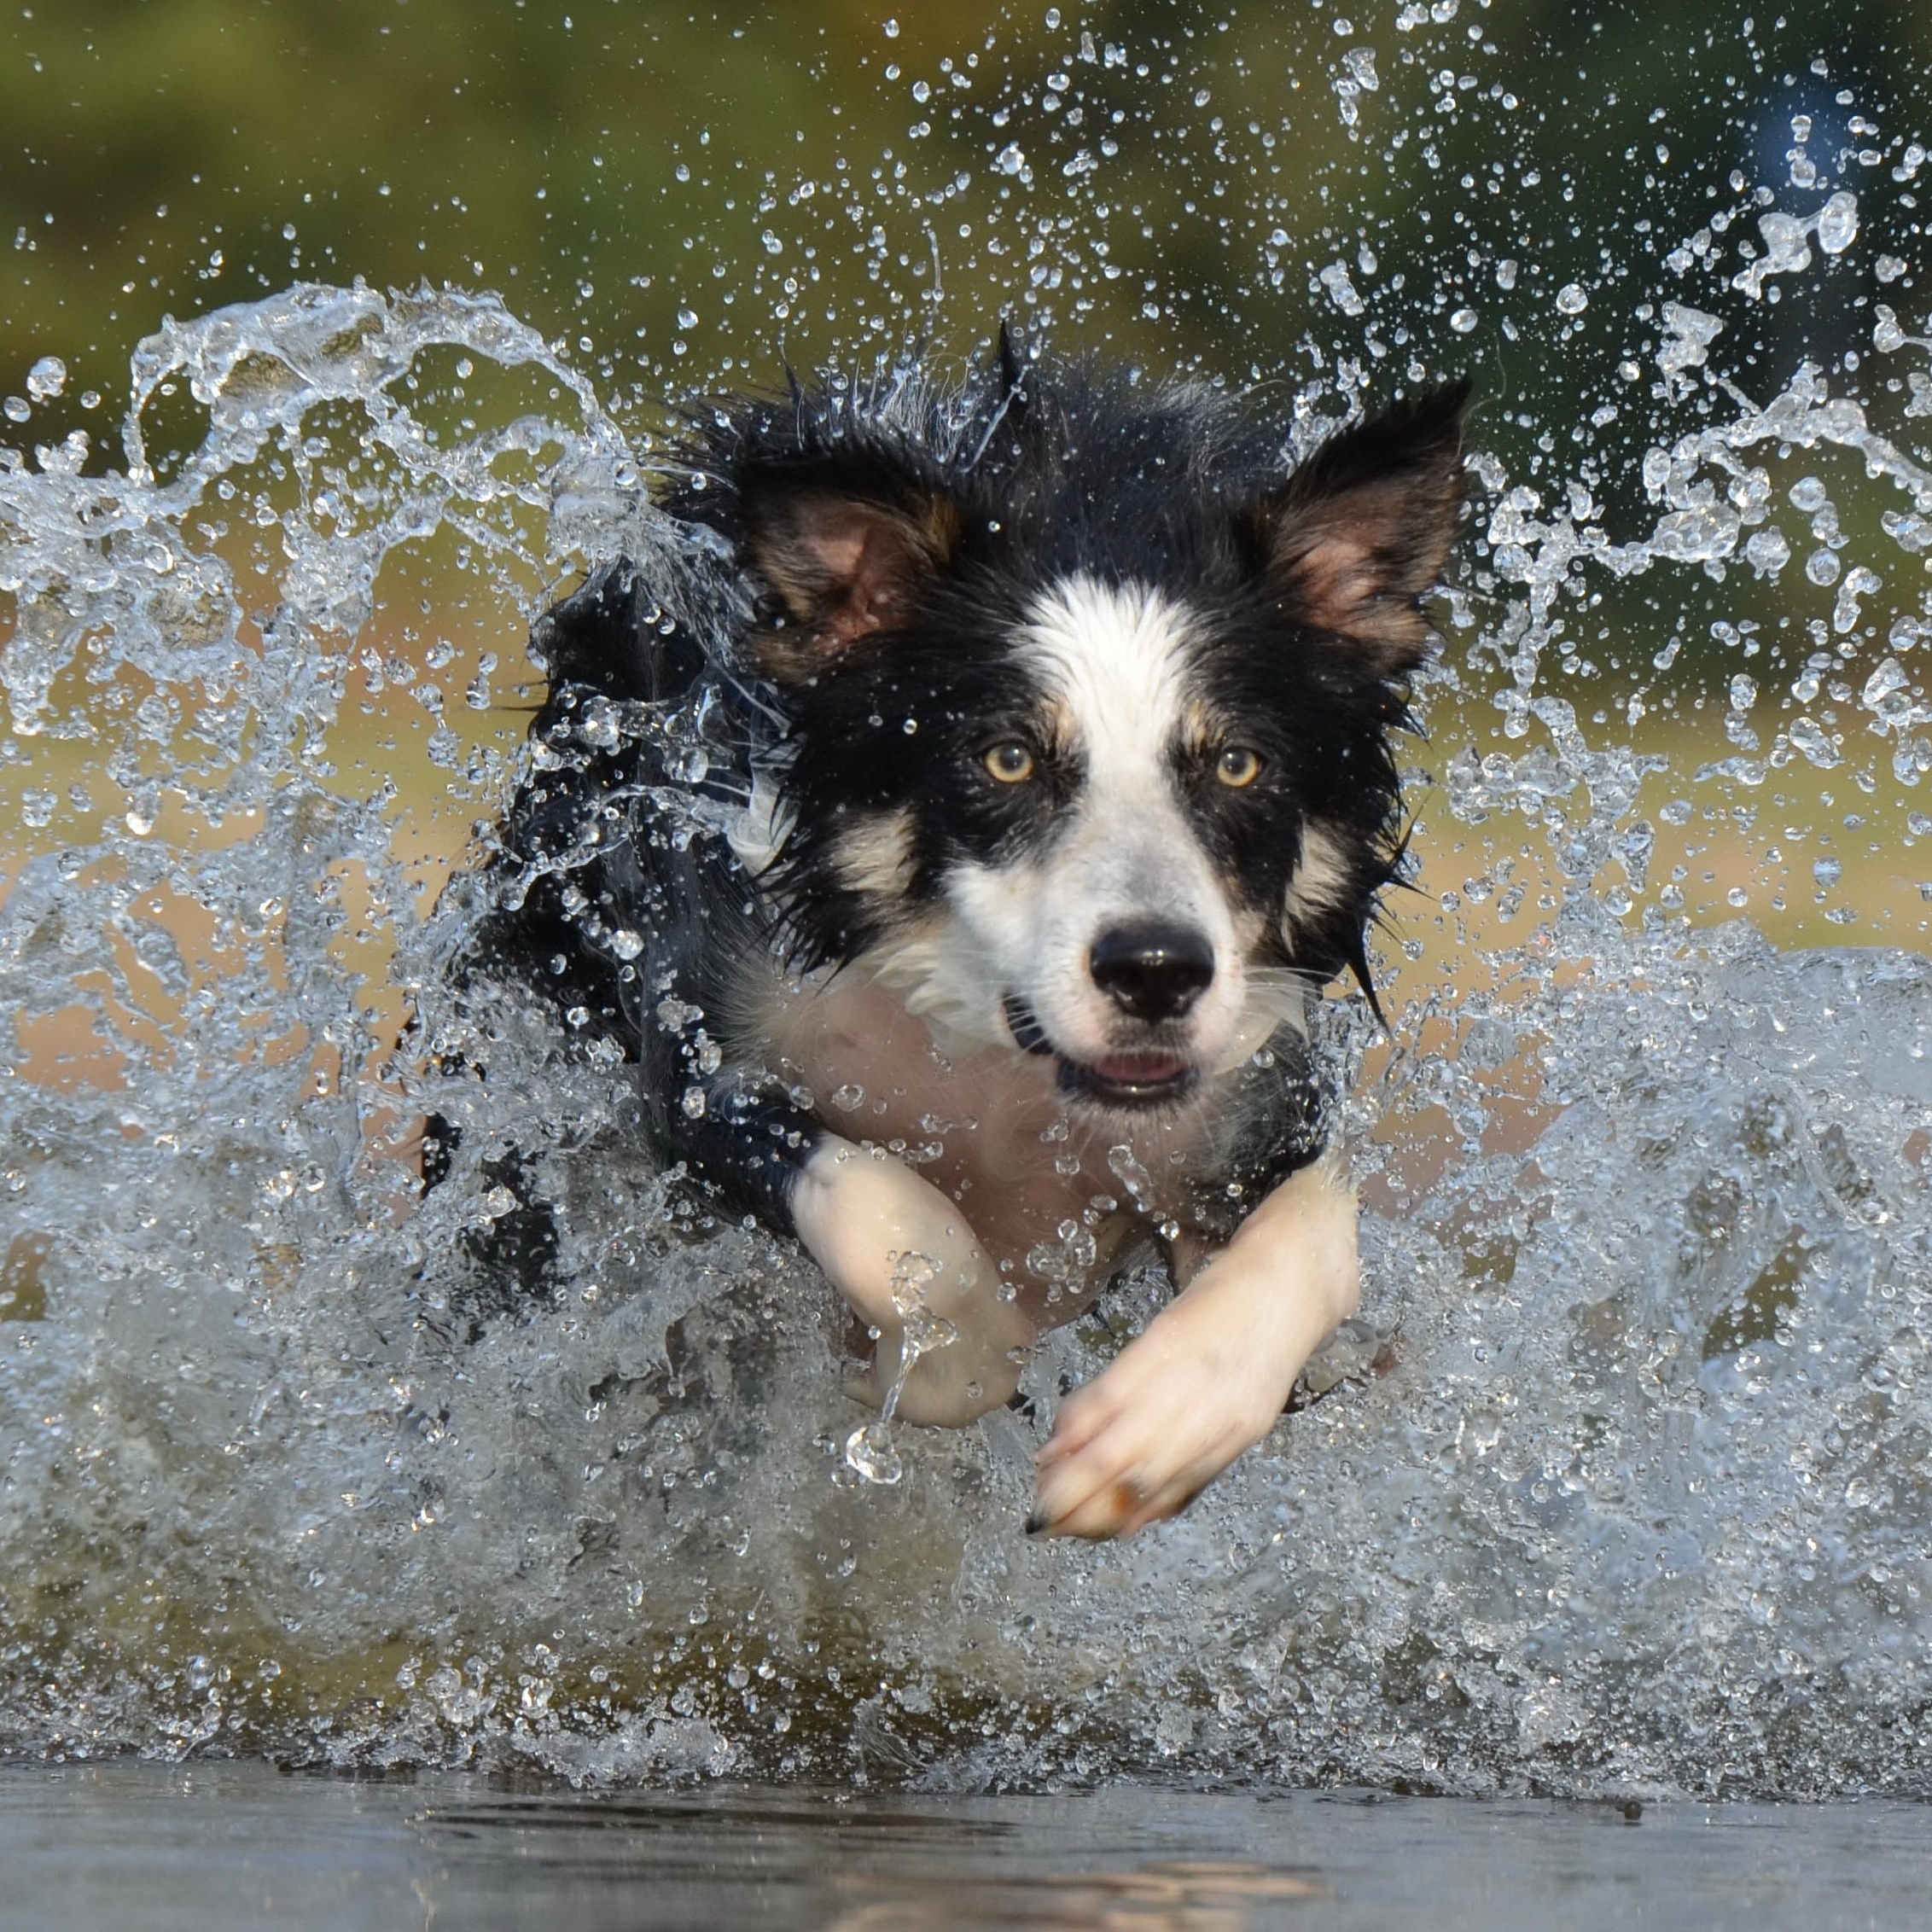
x=1035, y=1522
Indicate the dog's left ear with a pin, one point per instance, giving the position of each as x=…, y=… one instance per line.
x=1361, y=531
x=844, y=566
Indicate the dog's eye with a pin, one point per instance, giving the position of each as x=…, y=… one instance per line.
x=1237, y=766
x=1009, y=762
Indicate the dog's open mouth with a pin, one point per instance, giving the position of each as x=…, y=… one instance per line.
x=1143, y=1079
x=1138, y=1079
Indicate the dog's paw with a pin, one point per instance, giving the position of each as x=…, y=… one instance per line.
x=1142, y=1441
x=1210, y=1377
x=905, y=1257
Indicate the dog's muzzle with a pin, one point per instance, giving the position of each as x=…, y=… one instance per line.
x=1133, y=1079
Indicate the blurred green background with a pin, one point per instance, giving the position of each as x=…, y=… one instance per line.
x=610, y=164
x=1265, y=194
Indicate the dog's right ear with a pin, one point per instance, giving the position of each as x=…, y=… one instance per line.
x=844, y=566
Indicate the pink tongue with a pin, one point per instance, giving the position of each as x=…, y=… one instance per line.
x=1140, y=1071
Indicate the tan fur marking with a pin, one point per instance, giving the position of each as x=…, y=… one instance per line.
x=1321, y=882
x=875, y=855
x=1200, y=730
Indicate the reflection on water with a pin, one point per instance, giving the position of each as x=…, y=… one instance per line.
x=214, y=1847
x=1085, y=1862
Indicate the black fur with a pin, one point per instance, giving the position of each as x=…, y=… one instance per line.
x=962, y=504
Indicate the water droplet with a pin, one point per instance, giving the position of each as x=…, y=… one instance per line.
x=1341, y=290
x=597, y=725
x=1838, y=222
x=47, y=378
x=1572, y=299
x=1809, y=738
x=869, y=1453
x=1688, y=336
x=1126, y=1167
x=1889, y=678
x=1010, y=158
x=1462, y=320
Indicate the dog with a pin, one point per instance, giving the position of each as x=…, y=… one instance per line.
x=963, y=913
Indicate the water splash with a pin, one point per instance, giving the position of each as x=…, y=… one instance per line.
x=869, y=1449
x=1612, y=1488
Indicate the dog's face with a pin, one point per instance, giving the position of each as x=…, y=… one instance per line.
x=1090, y=734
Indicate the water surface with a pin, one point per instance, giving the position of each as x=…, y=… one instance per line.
x=212, y=1847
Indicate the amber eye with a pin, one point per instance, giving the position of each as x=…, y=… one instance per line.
x=1237, y=766
x=1009, y=762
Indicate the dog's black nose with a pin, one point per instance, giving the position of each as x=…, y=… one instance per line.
x=1153, y=972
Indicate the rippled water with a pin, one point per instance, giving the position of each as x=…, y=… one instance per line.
x=212, y=1847
x=1618, y=1487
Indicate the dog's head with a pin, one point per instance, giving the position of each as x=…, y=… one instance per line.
x=1091, y=695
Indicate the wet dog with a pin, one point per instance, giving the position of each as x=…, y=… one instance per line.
x=955, y=827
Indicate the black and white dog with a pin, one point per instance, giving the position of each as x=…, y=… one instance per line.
x=963, y=916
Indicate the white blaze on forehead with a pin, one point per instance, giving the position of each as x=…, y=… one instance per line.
x=1116, y=655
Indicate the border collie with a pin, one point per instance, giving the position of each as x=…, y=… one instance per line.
x=963, y=914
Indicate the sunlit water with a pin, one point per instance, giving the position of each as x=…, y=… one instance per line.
x=1622, y=1488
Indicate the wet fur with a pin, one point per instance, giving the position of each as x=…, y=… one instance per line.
x=921, y=570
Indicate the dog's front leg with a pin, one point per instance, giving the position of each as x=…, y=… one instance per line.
x=886, y=1238
x=1211, y=1374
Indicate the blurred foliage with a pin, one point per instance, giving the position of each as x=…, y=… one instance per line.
x=169, y=155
